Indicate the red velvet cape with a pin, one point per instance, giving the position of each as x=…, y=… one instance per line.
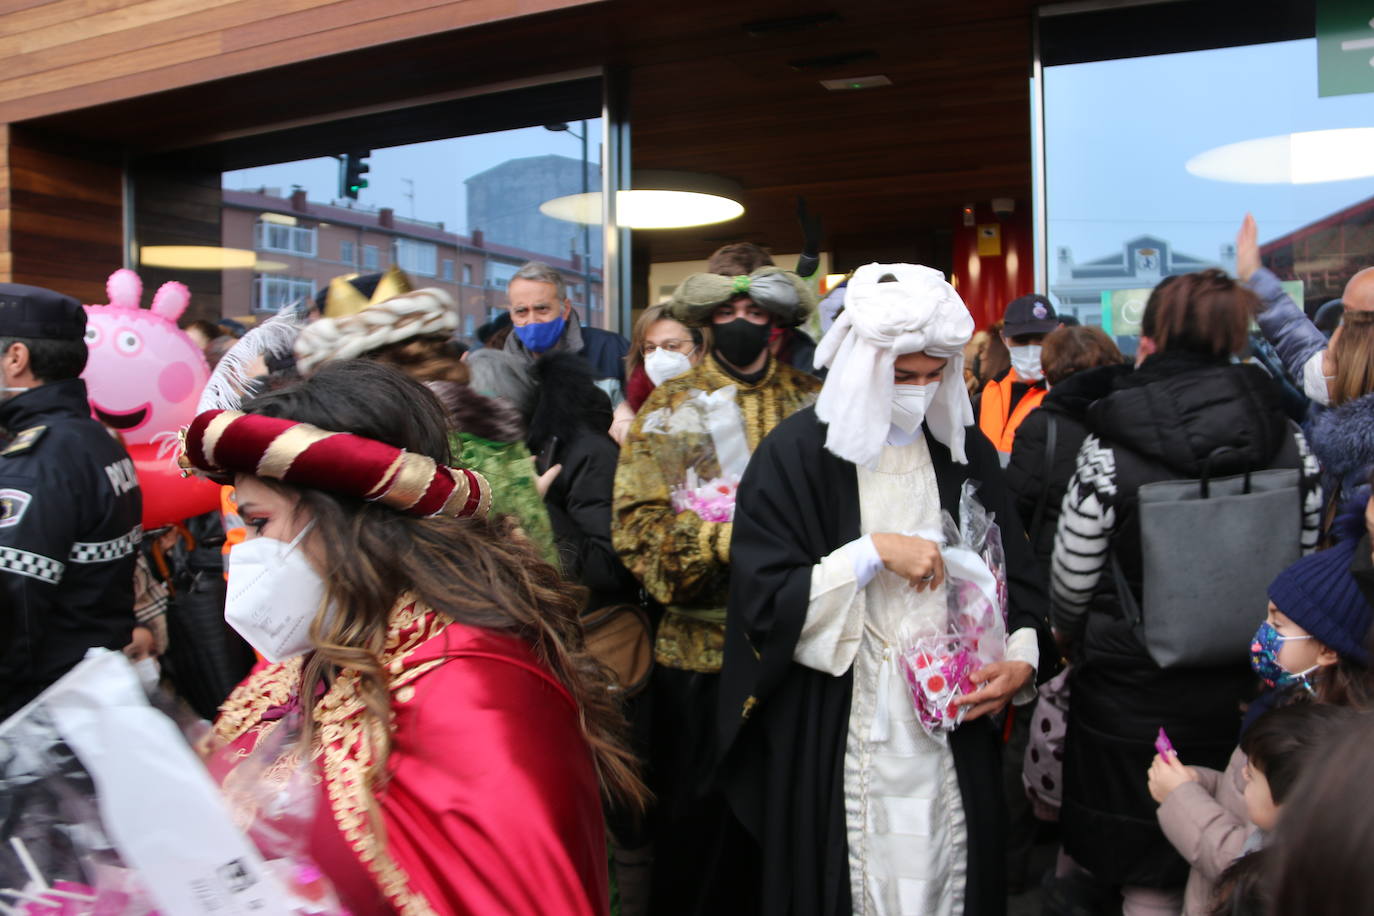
x=492, y=803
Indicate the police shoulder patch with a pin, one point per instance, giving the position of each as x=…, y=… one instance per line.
x=23, y=441
x=13, y=505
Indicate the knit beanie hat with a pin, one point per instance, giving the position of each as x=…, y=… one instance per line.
x=1319, y=594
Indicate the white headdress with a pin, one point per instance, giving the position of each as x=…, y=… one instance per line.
x=415, y=314
x=917, y=313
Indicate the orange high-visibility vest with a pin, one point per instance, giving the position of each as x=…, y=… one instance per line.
x=999, y=423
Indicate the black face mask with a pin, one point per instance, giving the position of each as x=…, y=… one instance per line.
x=740, y=342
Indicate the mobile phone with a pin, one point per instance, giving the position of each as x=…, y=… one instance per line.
x=547, y=455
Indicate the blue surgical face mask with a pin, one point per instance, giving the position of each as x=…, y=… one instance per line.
x=1264, y=658
x=540, y=337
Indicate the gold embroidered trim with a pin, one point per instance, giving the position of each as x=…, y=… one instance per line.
x=344, y=745
x=242, y=712
x=346, y=751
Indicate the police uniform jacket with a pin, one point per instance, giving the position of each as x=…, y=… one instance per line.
x=69, y=526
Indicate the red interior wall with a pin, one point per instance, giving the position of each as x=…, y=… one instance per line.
x=988, y=282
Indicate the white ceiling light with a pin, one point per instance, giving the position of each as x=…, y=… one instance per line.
x=196, y=257
x=1308, y=157
x=658, y=200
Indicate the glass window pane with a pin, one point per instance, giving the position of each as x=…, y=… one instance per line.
x=1124, y=209
x=462, y=214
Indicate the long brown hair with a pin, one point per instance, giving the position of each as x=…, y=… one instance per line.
x=1352, y=352
x=469, y=570
x=426, y=359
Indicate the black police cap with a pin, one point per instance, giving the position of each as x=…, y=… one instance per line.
x=35, y=312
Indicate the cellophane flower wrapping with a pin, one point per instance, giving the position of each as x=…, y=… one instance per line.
x=937, y=663
x=273, y=795
x=702, y=452
x=105, y=810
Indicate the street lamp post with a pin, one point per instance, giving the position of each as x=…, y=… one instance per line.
x=586, y=227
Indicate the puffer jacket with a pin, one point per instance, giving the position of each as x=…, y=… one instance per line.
x=1208, y=824
x=1158, y=423
x=1030, y=476
x=1343, y=440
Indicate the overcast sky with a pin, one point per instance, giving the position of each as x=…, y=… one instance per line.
x=1118, y=134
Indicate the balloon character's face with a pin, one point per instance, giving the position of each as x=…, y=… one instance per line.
x=144, y=374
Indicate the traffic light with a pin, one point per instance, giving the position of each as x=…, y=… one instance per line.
x=352, y=168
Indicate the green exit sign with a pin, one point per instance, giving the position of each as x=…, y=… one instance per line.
x=1345, y=47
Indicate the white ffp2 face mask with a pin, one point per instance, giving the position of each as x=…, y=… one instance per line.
x=910, y=403
x=274, y=594
x=1026, y=361
x=1314, y=382
x=662, y=365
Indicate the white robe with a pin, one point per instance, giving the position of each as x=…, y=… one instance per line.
x=903, y=812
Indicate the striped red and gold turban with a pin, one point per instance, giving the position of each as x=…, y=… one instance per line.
x=222, y=442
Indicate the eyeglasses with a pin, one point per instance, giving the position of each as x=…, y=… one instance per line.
x=672, y=346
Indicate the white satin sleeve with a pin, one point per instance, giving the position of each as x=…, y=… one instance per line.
x=1024, y=646
x=834, y=621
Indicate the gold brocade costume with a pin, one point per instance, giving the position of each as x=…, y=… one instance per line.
x=681, y=560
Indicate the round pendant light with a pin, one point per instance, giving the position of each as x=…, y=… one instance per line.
x=1308, y=157
x=658, y=200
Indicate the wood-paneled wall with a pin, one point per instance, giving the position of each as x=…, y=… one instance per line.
x=62, y=55
x=180, y=207
x=61, y=214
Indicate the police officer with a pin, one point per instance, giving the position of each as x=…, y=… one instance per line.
x=69, y=502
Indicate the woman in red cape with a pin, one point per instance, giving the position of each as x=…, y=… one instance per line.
x=461, y=736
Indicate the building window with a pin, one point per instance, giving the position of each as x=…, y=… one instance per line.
x=297, y=240
x=348, y=252
x=499, y=275
x=372, y=259
x=271, y=293
x=469, y=326
x=448, y=269
x=420, y=258
x=467, y=274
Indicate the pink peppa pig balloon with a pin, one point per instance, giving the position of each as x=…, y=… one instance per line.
x=144, y=374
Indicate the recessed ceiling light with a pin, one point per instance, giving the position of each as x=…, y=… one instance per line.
x=1307, y=157
x=856, y=82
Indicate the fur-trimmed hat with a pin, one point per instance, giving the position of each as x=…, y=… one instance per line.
x=772, y=289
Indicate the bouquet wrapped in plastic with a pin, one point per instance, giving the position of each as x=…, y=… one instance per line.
x=703, y=451
x=937, y=662
x=105, y=810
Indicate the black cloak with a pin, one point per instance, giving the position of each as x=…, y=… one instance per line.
x=783, y=726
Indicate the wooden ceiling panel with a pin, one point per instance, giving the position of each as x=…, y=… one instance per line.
x=705, y=95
